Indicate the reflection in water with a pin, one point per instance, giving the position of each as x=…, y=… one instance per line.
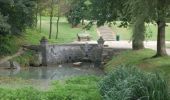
x=53, y=73
x=44, y=73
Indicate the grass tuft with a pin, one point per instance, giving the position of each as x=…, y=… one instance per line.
x=130, y=83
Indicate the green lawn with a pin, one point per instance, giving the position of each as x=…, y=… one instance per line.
x=78, y=88
x=66, y=33
x=143, y=59
x=151, y=30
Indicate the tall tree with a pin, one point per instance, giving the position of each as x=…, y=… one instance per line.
x=162, y=11
x=62, y=8
x=138, y=20
x=37, y=2
x=40, y=7
x=155, y=11
x=78, y=11
x=51, y=17
x=58, y=18
x=138, y=34
x=118, y=10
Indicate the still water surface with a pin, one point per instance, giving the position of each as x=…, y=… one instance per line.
x=52, y=72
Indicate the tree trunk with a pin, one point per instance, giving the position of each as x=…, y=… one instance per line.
x=40, y=22
x=51, y=19
x=58, y=19
x=137, y=44
x=82, y=22
x=161, y=47
x=138, y=34
x=36, y=13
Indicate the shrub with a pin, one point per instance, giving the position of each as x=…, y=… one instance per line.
x=25, y=58
x=129, y=83
x=8, y=45
x=4, y=26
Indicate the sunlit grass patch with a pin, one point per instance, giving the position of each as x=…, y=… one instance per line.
x=77, y=88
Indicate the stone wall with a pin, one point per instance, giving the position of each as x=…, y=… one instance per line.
x=53, y=54
x=57, y=54
x=63, y=53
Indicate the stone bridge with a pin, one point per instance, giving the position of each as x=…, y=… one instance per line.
x=52, y=54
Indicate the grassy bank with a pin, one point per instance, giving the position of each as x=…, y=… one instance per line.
x=143, y=59
x=79, y=88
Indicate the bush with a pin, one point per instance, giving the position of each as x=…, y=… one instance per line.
x=8, y=45
x=25, y=58
x=129, y=83
x=4, y=26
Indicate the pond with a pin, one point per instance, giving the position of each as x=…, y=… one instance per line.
x=53, y=73
x=42, y=76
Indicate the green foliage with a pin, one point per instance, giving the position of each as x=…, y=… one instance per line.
x=21, y=14
x=4, y=26
x=8, y=45
x=79, y=88
x=78, y=11
x=129, y=83
x=106, y=11
x=15, y=17
x=25, y=58
x=32, y=36
x=74, y=17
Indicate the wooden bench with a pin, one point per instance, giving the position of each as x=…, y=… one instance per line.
x=83, y=36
